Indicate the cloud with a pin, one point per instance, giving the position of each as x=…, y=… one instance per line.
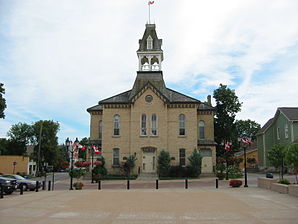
x=59, y=59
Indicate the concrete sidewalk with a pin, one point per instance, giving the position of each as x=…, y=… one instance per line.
x=164, y=206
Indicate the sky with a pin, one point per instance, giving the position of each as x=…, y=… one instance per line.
x=60, y=57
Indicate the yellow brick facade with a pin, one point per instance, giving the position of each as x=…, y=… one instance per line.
x=6, y=164
x=130, y=141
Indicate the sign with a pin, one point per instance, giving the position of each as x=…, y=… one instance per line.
x=14, y=163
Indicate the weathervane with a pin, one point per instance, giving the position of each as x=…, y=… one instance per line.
x=150, y=3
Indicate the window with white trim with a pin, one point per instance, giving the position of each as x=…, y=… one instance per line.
x=286, y=131
x=116, y=157
x=181, y=124
x=278, y=133
x=154, y=124
x=201, y=130
x=143, y=124
x=182, y=157
x=116, y=125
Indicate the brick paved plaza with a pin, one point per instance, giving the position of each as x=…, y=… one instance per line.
x=143, y=206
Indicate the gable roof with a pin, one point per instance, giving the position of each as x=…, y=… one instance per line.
x=291, y=113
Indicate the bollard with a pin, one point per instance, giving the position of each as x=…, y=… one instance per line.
x=216, y=183
x=156, y=184
x=128, y=185
x=43, y=185
x=53, y=181
x=36, y=186
x=186, y=183
x=49, y=186
x=99, y=185
x=21, y=189
x=1, y=191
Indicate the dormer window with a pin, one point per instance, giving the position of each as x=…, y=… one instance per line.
x=149, y=43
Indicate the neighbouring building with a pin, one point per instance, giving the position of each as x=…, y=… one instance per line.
x=16, y=164
x=281, y=129
x=151, y=117
x=252, y=157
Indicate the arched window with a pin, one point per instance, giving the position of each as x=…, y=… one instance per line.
x=154, y=124
x=143, y=125
x=149, y=43
x=201, y=130
x=117, y=125
x=100, y=129
x=181, y=124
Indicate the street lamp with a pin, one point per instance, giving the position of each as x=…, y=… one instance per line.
x=71, y=150
x=245, y=142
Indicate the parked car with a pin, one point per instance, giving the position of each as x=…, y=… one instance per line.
x=21, y=181
x=8, y=184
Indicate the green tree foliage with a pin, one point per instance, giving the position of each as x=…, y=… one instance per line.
x=20, y=135
x=247, y=128
x=99, y=170
x=77, y=173
x=2, y=101
x=49, y=152
x=82, y=153
x=227, y=105
x=164, y=161
x=292, y=157
x=129, y=164
x=276, y=157
x=195, y=163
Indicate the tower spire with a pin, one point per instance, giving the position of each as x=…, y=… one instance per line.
x=150, y=3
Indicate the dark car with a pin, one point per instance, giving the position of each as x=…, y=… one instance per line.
x=8, y=184
x=27, y=184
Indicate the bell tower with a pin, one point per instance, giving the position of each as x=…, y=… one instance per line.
x=150, y=54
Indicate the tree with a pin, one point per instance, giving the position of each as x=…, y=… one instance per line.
x=129, y=165
x=164, y=161
x=276, y=156
x=227, y=105
x=82, y=153
x=292, y=157
x=247, y=128
x=2, y=101
x=20, y=135
x=195, y=161
x=49, y=152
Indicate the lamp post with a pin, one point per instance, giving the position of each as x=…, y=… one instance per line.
x=71, y=150
x=245, y=142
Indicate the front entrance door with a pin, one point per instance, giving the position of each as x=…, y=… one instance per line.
x=149, y=163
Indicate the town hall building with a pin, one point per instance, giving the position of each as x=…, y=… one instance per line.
x=151, y=117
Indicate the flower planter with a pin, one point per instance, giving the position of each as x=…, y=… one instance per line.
x=235, y=183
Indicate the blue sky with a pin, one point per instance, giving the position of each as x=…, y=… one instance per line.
x=57, y=58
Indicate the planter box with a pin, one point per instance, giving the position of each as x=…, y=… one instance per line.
x=266, y=182
x=293, y=190
x=281, y=188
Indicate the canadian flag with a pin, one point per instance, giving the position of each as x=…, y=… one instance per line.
x=95, y=148
x=228, y=146
x=150, y=2
x=246, y=141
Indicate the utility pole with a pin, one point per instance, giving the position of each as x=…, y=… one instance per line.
x=38, y=153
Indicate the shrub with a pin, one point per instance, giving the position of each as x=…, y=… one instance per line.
x=195, y=163
x=284, y=181
x=77, y=173
x=164, y=160
x=235, y=183
x=234, y=172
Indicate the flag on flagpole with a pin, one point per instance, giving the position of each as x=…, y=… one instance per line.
x=246, y=141
x=150, y=2
x=228, y=146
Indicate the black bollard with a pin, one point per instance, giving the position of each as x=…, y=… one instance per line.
x=156, y=184
x=128, y=185
x=43, y=185
x=216, y=183
x=36, y=186
x=21, y=189
x=99, y=185
x=49, y=185
x=186, y=183
x=53, y=181
x=1, y=191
